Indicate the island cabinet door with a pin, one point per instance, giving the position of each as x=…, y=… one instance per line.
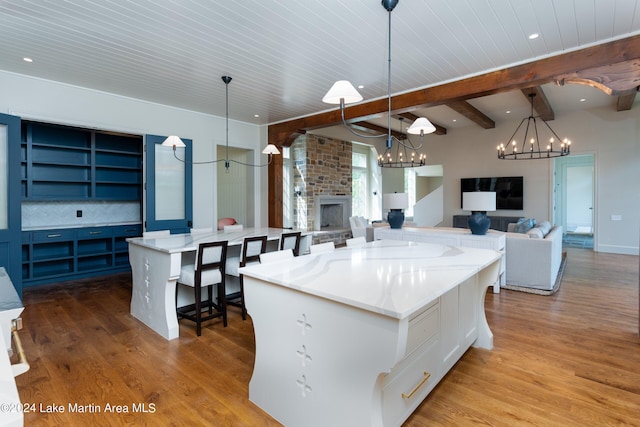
x=459, y=321
x=317, y=361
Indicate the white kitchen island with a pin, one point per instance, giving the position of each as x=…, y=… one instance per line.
x=155, y=268
x=360, y=336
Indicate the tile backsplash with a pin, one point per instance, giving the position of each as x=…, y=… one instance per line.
x=65, y=214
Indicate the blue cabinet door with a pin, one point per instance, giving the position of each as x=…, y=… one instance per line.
x=169, y=190
x=10, y=212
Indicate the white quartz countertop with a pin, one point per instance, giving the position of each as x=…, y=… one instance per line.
x=394, y=278
x=189, y=242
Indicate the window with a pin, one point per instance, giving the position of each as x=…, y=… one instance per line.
x=359, y=183
x=366, y=182
x=410, y=189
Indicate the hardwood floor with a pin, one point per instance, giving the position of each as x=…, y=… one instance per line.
x=570, y=359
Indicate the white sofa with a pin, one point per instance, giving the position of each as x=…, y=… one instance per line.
x=534, y=258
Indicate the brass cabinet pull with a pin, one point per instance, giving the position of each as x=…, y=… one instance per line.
x=425, y=377
x=51, y=236
x=22, y=366
x=95, y=232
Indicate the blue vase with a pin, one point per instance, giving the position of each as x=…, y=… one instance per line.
x=395, y=218
x=479, y=223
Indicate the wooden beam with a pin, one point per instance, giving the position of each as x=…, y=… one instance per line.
x=625, y=100
x=616, y=78
x=613, y=56
x=472, y=113
x=274, y=192
x=540, y=102
x=412, y=118
x=556, y=68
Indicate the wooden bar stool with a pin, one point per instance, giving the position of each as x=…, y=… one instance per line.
x=291, y=241
x=252, y=247
x=209, y=270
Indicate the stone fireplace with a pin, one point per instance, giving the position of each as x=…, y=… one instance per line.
x=332, y=212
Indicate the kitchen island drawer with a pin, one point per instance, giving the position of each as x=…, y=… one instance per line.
x=423, y=326
x=410, y=382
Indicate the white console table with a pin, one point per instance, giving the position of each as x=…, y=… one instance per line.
x=495, y=240
x=360, y=336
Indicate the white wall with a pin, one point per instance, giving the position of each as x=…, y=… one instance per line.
x=612, y=137
x=53, y=102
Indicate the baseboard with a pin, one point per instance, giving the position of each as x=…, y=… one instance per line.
x=621, y=250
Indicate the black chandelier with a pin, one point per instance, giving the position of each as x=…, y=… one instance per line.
x=555, y=147
x=405, y=153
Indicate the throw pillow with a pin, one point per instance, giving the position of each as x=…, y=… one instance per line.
x=225, y=221
x=524, y=224
x=545, y=226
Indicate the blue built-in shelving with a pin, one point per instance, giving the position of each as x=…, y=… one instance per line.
x=67, y=163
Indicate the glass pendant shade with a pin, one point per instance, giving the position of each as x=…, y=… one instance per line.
x=421, y=126
x=173, y=141
x=342, y=89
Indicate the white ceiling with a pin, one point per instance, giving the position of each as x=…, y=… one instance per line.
x=284, y=55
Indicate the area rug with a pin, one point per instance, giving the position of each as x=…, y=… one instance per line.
x=556, y=286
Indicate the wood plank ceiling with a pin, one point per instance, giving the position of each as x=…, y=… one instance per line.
x=285, y=55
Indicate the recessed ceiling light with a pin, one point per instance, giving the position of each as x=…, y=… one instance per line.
x=25, y=59
x=256, y=115
x=583, y=99
x=533, y=36
x=455, y=120
x=508, y=111
x=360, y=86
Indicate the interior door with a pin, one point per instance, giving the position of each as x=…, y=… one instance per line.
x=235, y=185
x=10, y=209
x=574, y=194
x=169, y=193
x=580, y=198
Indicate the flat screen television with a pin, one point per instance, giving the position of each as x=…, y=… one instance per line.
x=509, y=190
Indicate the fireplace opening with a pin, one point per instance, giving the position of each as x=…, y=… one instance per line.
x=331, y=216
x=332, y=212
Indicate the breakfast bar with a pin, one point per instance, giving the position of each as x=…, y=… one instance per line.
x=360, y=336
x=155, y=267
